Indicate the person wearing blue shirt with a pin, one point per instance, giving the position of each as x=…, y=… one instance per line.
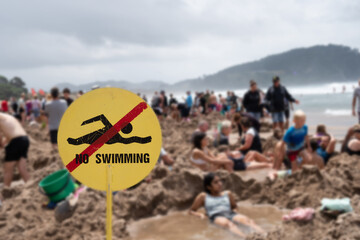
x=296, y=141
x=189, y=100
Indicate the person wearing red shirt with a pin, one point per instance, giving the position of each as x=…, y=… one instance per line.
x=4, y=106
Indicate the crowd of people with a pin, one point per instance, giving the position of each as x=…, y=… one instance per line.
x=16, y=114
x=256, y=104
x=212, y=149
x=294, y=147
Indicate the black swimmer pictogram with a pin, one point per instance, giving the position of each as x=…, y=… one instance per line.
x=92, y=137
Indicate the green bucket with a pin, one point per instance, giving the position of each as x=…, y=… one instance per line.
x=58, y=185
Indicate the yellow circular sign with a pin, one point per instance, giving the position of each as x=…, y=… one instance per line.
x=109, y=127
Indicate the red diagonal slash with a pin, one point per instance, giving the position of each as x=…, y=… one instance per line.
x=71, y=166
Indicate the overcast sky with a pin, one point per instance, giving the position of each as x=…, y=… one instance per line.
x=48, y=42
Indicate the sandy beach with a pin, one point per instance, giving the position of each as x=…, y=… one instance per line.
x=180, y=120
x=172, y=192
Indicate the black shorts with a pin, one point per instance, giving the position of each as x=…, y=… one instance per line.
x=239, y=164
x=53, y=136
x=158, y=111
x=18, y=116
x=184, y=112
x=287, y=113
x=228, y=215
x=17, y=148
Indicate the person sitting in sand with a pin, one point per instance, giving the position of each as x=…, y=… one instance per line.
x=252, y=160
x=270, y=143
x=220, y=207
x=351, y=143
x=202, y=158
x=203, y=127
x=165, y=158
x=251, y=141
x=16, y=149
x=326, y=147
x=236, y=121
x=320, y=132
x=225, y=131
x=315, y=159
x=174, y=112
x=296, y=140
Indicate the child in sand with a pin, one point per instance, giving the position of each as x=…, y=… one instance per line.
x=296, y=140
x=221, y=207
x=314, y=159
x=16, y=149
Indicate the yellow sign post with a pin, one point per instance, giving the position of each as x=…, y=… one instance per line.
x=109, y=139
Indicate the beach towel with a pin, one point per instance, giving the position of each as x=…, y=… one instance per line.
x=283, y=173
x=338, y=204
x=299, y=214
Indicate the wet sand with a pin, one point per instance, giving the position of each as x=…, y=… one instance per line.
x=180, y=225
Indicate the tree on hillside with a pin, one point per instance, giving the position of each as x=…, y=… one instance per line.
x=12, y=88
x=18, y=82
x=3, y=79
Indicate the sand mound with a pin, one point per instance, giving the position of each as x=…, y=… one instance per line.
x=306, y=188
x=309, y=186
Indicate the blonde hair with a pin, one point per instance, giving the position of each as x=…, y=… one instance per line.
x=225, y=124
x=299, y=114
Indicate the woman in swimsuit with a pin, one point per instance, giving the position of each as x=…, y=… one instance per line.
x=220, y=207
x=203, y=159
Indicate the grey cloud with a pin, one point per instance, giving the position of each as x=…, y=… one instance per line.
x=141, y=22
x=199, y=36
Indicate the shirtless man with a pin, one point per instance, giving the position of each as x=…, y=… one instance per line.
x=14, y=135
